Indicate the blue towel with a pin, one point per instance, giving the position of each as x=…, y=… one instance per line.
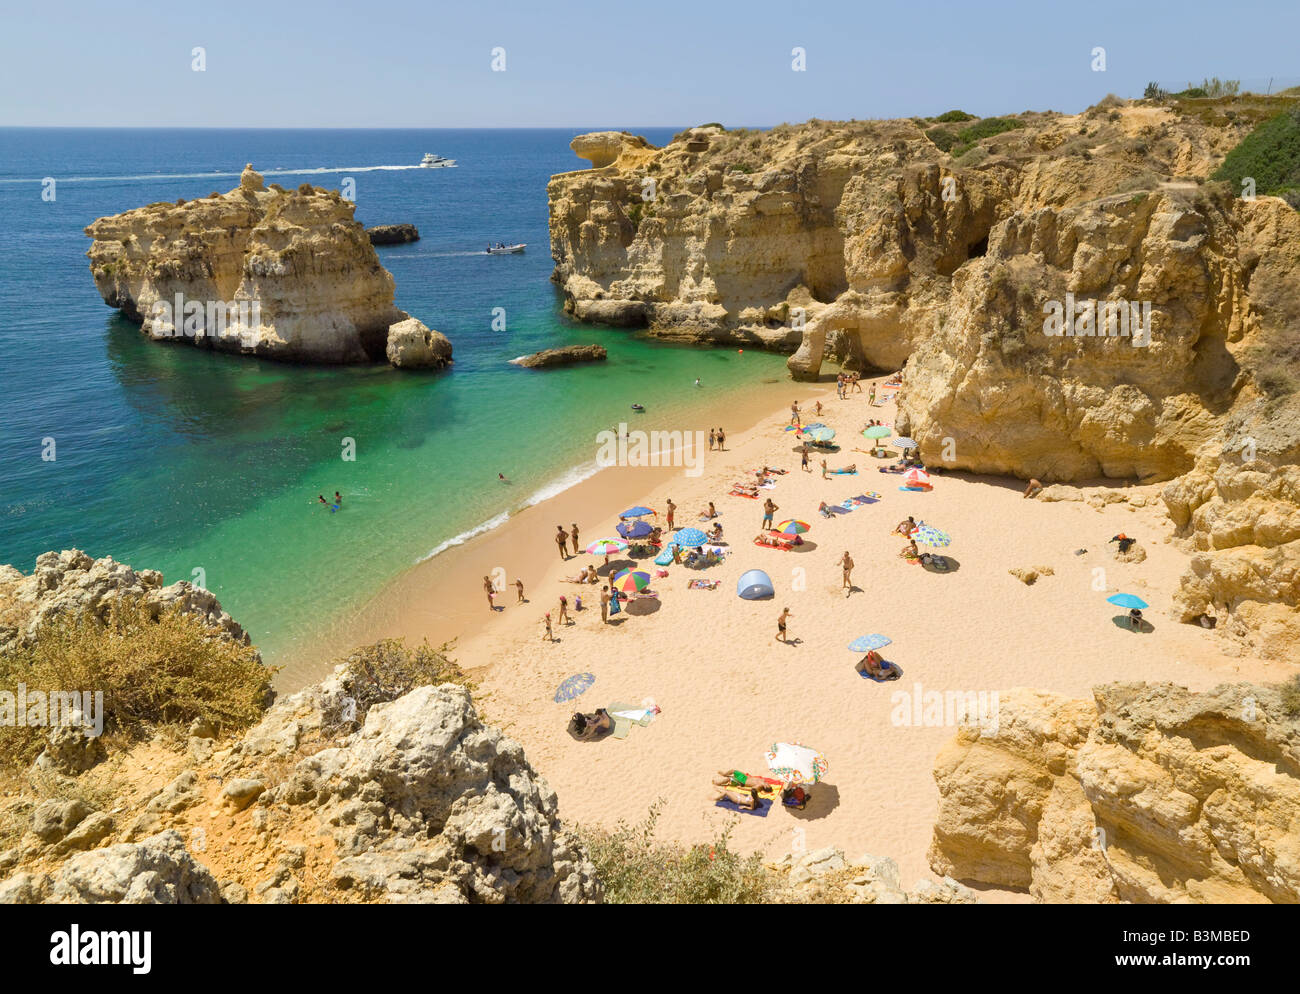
x=764, y=806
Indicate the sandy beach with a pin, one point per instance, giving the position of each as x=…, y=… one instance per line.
x=728, y=689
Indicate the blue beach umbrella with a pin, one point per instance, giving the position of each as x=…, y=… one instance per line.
x=634, y=529
x=573, y=687
x=1127, y=600
x=822, y=434
x=636, y=512
x=935, y=538
x=690, y=538
x=865, y=643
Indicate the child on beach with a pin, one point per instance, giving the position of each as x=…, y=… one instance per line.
x=549, y=636
x=713, y=437
x=519, y=589
x=780, y=625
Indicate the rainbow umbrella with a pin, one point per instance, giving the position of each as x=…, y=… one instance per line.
x=573, y=687
x=793, y=527
x=634, y=529
x=1127, y=600
x=631, y=581
x=866, y=643
x=606, y=546
x=690, y=538
x=925, y=534
x=795, y=763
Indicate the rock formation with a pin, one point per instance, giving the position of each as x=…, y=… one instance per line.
x=413, y=346
x=392, y=234
x=869, y=244
x=285, y=274
x=565, y=356
x=826, y=876
x=1147, y=794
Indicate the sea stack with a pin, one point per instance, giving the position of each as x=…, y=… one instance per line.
x=282, y=274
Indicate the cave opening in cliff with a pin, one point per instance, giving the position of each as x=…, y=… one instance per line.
x=977, y=249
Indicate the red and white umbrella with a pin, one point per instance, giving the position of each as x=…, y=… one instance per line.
x=917, y=478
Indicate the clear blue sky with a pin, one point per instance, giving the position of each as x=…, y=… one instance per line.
x=415, y=63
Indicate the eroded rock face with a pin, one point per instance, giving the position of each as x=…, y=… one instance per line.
x=393, y=234
x=1147, y=794
x=72, y=583
x=285, y=274
x=603, y=148
x=562, y=357
x=413, y=346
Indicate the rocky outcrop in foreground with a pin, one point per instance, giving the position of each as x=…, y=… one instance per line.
x=284, y=274
x=827, y=876
x=565, y=356
x=1148, y=794
x=393, y=234
x=72, y=583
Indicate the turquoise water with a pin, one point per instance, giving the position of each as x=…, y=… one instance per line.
x=176, y=459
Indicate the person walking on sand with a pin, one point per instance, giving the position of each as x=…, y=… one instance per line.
x=722, y=440
x=847, y=565
x=573, y=536
x=713, y=437
x=604, y=604
x=871, y=397
x=803, y=459
x=519, y=589
x=549, y=635
x=825, y=475
x=562, y=540
x=769, y=509
x=564, y=610
x=671, y=508
x=794, y=413
x=819, y=408
x=780, y=625
x=857, y=382
x=487, y=587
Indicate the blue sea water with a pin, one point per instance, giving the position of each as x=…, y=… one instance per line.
x=207, y=466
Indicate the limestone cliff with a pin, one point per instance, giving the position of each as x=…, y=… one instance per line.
x=1147, y=794
x=884, y=243
x=285, y=274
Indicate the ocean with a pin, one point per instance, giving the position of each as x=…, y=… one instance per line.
x=208, y=466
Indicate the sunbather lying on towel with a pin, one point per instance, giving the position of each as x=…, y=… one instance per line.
x=583, y=577
x=824, y=510
x=874, y=665
x=740, y=798
x=772, y=541
x=736, y=778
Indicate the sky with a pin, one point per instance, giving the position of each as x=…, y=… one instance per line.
x=424, y=63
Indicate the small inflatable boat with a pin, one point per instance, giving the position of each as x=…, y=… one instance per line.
x=639, y=408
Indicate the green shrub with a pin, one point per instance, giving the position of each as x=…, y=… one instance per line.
x=1291, y=697
x=986, y=128
x=636, y=869
x=942, y=137
x=954, y=116
x=385, y=671
x=1270, y=155
x=164, y=671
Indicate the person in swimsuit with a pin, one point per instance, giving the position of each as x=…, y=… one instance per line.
x=803, y=459
x=769, y=509
x=1034, y=489
x=338, y=498
x=847, y=565
x=562, y=540
x=321, y=498
x=548, y=635
x=740, y=798
x=519, y=588
x=671, y=508
x=905, y=528
x=733, y=778
x=722, y=440
x=564, y=611
x=780, y=624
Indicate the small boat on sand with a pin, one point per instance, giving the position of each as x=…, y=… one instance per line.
x=505, y=249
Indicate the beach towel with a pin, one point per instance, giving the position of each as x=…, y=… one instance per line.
x=701, y=584
x=870, y=498
x=916, y=490
x=764, y=806
x=627, y=715
x=844, y=472
x=614, y=607
x=893, y=669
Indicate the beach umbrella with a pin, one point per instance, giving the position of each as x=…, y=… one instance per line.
x=606, y=546
x=925, y=534
x=877, y=431
x=573, y=686
x=795, y=763
x=1127, y=600
x=793, y=527
x=690, y=538
x=865, y=643
x=916, y=478
x=634, y=529
x=904, y=442
x=631, y=581
x=815, y=424
x=821, y=434
x=636, y=512
x=793, y=428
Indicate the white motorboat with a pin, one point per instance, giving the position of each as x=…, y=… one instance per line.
x=431, y=161
x=506, y=249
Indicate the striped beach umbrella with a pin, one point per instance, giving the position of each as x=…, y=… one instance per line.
x=866, y=643
x=606, y=546
x=794, y=763
x=793, y=527
x=634, y=529
x=573, y=687
x=931, y=536
x=903, y=442
x=631, y=581
x=916, y=478
x=690, y=538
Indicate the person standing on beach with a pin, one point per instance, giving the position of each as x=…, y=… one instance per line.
x=794, y=413
x=604, y=604
x=780, y=625
x=804, y=458
x=671, y=508
x=847, y=565
x=713, y=436
x=722, y=440
x=519, y=588
x=769, y=509
x=549, y=635
x=573, y=536
x=871, y=398
x=824, y=474
x=487, y=587
x=564, y=610
x=562, y=540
